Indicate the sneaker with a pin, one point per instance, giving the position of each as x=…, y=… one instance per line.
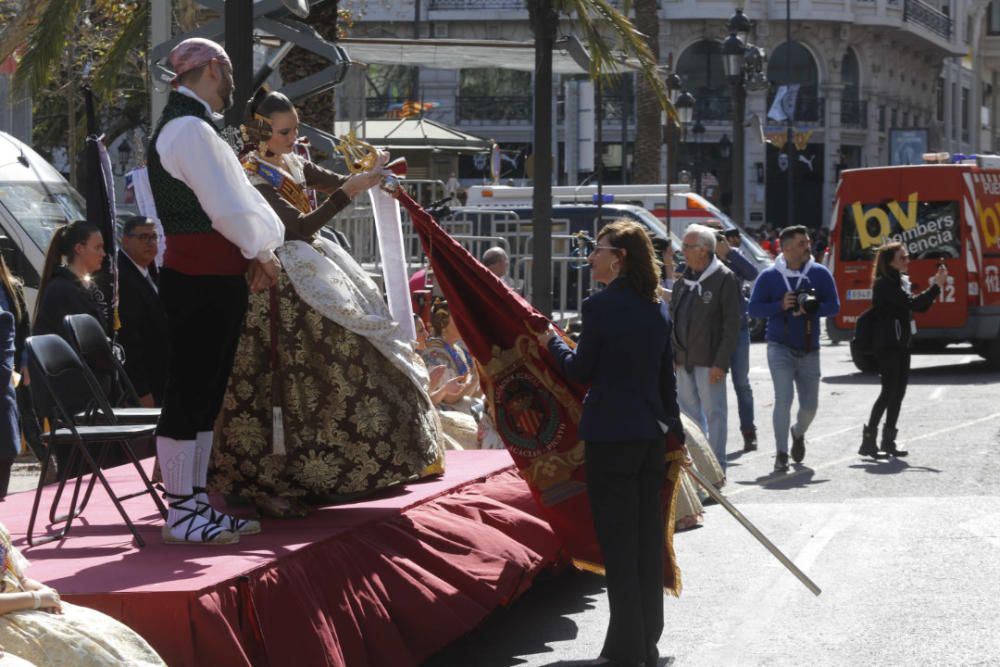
x=781, y=462
x=749, y=441
x=798, y=447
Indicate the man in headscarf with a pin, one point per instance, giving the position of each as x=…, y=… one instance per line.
x=220, y=235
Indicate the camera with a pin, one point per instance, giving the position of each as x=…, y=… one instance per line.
x=806, y=300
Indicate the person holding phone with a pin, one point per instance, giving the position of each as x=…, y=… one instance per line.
x=893, y=305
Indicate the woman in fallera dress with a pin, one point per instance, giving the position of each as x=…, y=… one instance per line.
x=38, y=627
x=322, y=348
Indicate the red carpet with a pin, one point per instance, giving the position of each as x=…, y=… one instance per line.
x=389, y=581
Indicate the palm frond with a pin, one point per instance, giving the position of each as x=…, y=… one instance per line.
x=131, y=39
x=595, y=15
x=46, y=45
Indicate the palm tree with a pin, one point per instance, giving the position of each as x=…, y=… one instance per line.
x=647, y=119
x=593, y=18
x=63, y=49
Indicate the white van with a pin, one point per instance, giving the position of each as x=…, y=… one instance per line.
x=686, y=207
x=35, y=199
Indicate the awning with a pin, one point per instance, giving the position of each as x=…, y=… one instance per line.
x=568, y=56
x=420, y=134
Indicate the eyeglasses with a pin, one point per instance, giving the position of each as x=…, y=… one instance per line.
x=145, y=238
x=690, y=246
x=604, y=247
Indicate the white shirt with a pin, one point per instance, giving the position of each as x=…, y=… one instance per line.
x=194, y=154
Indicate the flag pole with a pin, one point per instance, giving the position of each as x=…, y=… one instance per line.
x=745, y=522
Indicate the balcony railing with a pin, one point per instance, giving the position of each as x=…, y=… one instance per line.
x=919, y=12
x=807, y=109
x=854, y=113
x=507, y=110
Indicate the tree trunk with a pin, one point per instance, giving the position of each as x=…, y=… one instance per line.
x=544, y=21
x=646, y=165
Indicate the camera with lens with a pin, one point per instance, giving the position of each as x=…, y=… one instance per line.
x=806, y=300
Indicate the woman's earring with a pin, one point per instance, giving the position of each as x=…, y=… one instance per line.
x=267, y=151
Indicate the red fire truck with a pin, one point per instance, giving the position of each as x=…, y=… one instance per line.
x=943, y=213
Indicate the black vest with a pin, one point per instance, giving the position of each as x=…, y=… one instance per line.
x=176, y=204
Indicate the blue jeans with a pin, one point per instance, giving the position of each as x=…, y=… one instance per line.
x=705, y=403
x=792, y=372
x=739, y=369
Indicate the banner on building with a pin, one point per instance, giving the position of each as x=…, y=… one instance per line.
x=783, y=106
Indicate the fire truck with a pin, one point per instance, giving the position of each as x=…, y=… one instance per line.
x=946, y=213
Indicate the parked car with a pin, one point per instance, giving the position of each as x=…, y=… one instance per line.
x=35, y=199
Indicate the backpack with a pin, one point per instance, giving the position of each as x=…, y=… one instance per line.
x=863, y=342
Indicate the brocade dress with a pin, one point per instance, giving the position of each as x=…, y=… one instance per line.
x=355, y=413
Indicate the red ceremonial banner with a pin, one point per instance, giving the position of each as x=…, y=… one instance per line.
x=535, y=409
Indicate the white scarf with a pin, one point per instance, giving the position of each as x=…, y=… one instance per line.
x=782, y=266
x=695, y=285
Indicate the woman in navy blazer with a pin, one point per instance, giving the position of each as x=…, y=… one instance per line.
x=624, y=354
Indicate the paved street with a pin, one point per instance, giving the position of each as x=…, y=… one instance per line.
x=905, y=551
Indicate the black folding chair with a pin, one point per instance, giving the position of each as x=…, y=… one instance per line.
x=63, y=389
x=87, y=336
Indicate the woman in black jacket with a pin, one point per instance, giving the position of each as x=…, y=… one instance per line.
x=12, y=394
x=625, y=355
x=67, y=288
x=892, y=306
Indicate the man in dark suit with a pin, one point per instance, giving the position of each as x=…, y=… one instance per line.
x=144, y=320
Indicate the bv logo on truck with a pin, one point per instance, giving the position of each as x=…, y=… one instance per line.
x=922, y=226
x=989, y=222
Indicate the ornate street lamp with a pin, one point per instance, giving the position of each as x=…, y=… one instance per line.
x=725, y=147
x=740, y=25
x=683, y=102
x=685, y=107
x=743, y=63
x=124, y=154
x=732, y=55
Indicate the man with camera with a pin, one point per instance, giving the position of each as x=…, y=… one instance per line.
x=793, y=295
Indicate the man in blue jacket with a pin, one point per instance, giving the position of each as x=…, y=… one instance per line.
x=793, y=295
x=728, y=252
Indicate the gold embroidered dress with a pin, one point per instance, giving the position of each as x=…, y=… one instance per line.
x=354, y=405
x=79, y=637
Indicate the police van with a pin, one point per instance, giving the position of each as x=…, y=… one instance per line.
x=943, y=213
x=35, y=199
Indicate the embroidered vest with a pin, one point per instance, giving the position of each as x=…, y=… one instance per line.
x=176, y=204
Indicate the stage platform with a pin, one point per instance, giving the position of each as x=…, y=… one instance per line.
x=387, y=581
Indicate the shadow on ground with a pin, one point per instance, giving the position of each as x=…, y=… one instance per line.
x=552, y=599
x=801, y=476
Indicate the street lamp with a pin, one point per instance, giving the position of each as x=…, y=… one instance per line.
x=743, y=63
x=740, y=25
x=725, y=147
x=683, y=102
x=124, y=154
x=698, y=130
